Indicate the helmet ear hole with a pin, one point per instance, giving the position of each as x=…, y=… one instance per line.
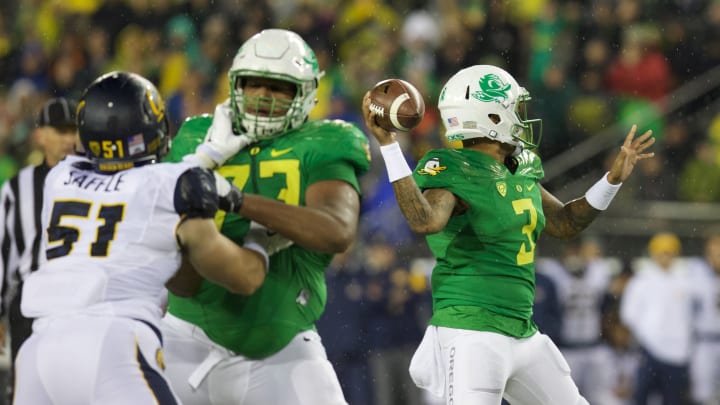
x=494, y=118
x=467, y=93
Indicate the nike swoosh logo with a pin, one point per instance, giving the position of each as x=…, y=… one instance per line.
x=276, y=153
x=529, y=187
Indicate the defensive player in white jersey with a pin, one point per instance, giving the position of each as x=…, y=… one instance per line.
x=117, y=225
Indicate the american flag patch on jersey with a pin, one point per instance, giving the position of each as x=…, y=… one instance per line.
x=453, y=121
x=136, y=144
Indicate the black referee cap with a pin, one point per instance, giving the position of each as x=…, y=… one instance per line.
x=58, y=113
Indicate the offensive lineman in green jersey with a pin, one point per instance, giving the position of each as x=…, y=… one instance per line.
x=482, y=208
x=297, y=178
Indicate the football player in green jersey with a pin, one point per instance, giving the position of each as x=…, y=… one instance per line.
x=295, y=183
x=482, y=208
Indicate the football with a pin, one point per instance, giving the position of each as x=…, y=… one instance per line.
x=398, y=105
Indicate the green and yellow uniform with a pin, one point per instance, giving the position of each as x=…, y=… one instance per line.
x=293, y=295
x=484, y=278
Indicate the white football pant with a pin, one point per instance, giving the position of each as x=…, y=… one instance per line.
x=480, y=368
x=204, y=373
x=83, y=360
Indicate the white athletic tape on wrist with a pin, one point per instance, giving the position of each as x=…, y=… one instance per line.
x=210, y=153
x=602, y=193
x=257, y=248
x=395, y=162
x=200, y=159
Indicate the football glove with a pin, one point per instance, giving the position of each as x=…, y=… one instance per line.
x=270, y=240
x=230, y=198
x=220, y=143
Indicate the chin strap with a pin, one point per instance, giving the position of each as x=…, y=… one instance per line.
x=511, y=163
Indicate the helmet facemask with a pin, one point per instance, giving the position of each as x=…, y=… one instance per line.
x=264, y=117
x=526, y=131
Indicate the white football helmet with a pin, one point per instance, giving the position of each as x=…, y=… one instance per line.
x=281, y=55
x=486, y=101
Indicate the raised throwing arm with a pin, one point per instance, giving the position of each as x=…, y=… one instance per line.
x=426, y=212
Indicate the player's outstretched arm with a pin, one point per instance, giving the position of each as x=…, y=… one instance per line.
x=216, y=257
x=327, y=223
x=426, y=212
x=205, y=250
x=567, y=220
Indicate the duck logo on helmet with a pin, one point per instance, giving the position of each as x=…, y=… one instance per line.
x=492, y=88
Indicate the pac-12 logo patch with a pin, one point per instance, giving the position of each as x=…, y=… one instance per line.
x=432, y=167
x=501, y=188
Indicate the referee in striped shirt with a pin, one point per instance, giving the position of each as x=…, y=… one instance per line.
x=21, y=201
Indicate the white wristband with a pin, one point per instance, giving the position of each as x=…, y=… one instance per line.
x=395, y=162
x=257, y=248
x=601, y=193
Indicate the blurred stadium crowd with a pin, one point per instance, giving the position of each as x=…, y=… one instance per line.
x=588, y=64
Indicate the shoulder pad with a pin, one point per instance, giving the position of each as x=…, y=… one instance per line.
x=331, y=130
x=201, y=121
x=195, y=194
x=446, y=155
x=439, y=168
x=530, y=165
x=189, y=136
x=340, y=141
